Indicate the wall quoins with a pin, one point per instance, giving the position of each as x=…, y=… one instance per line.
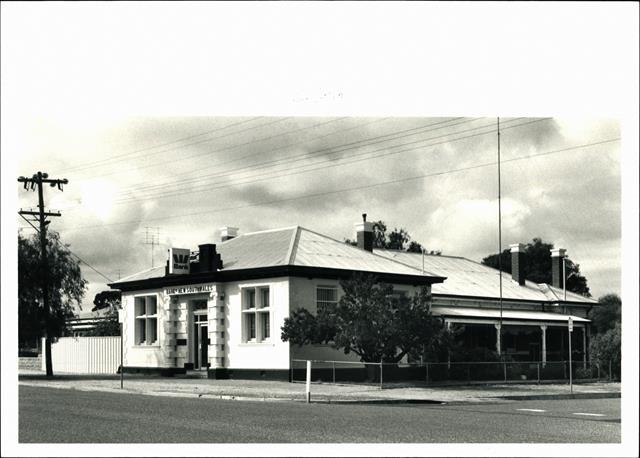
x=216, y=311
x=170, y=317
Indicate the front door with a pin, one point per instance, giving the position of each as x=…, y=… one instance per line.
x=200, y=341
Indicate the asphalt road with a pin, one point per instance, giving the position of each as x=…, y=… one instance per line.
x=48, y=415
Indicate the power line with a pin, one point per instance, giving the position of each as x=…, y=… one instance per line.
x=289, y=160
x=196, y=143
x=259, y=153
x=345, y=161
x=268, y=176
x=72, y=253
x=384, y=183
x=295, y=158
x=92, y=163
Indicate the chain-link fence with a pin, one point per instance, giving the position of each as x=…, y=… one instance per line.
x=345, y=372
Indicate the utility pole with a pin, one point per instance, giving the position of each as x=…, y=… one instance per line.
x=37, y=180
x=152, y=238
x=499, y=242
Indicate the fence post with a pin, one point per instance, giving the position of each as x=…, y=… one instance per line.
x=427, y=372
x=308, y=381
x=610, y=374
x=380, y=374
x=538, y=373
x=333, y=365
x=598, y=366
x=504, y=367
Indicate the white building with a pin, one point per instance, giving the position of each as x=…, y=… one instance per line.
x=224, y=311
x=221, y=309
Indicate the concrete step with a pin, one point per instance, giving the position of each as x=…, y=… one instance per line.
x=194, y=374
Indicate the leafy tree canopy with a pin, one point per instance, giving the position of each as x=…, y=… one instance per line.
x=398, y=239
x=607, y=314
x=605, y=348
x=107, y=299
x=66, y=287
x=372, y=322
x=537, y=266
x=108, y=325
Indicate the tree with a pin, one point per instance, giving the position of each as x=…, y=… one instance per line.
x=66, y=287
x=606, y=348
x=607, y=314
x=605, y=343
x=108, y=325
x=107, y=299
x=537, y=266
x=372, y=322
x=398, y=239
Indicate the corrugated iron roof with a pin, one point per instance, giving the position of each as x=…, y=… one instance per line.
x=295, y=246
x=474, y=312
x=469, y=278
x=316, y=250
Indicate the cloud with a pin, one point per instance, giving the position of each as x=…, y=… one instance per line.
x=570, y=198
x=469, y=227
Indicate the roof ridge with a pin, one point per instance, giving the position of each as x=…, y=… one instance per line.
x=267, y=230
x=293, y=246
x=431, y=274
x=426, y=254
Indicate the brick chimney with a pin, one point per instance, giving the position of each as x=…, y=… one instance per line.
x=208, y=259
x=228, y=233
x=364, y=234
x=517, y=263
x=557, y=255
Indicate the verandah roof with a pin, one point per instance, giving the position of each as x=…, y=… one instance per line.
x=492, y=314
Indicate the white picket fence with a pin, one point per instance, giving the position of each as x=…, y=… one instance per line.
x=85, y=355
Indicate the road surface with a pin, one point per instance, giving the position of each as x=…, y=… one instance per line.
x=48, y=415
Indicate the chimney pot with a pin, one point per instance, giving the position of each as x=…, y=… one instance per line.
x=228, y=233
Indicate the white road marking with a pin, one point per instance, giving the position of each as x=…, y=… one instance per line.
x=589, y=414
x=533, y=410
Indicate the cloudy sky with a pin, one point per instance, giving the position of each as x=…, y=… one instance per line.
x=210, y=116
x=190, y=116
x=185, y=177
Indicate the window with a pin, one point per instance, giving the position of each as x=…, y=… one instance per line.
x=264, y=297
x=326, y=298
x=398, y=294
x=256, y=316
x=146, y=318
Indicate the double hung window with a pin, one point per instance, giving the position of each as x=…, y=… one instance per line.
x=326, y=299
x=256, y=314
x=146, y=320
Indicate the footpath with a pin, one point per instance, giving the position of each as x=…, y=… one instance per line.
x=263, y=390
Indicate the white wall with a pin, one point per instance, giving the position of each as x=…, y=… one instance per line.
x=271, y=354
x=144, y=355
